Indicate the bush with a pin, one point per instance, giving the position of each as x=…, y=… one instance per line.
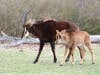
x=85, y=14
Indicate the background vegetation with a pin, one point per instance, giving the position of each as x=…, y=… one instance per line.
x=85, y=13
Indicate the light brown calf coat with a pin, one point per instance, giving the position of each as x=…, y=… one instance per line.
x=73, y=40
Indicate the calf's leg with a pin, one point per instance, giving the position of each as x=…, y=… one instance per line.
x=83, y=52
x=68, y=57
x=89, y=46
x=72, y=53
x=65, y=56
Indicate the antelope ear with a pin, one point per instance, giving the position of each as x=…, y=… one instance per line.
x=33, y=21
x=30, y=20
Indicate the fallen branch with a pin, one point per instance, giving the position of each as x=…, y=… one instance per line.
x=15, y=41
x=24, y=41
x=95, y=38
x=5, y=37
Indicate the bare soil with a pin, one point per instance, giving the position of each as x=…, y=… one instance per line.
x=35, y=47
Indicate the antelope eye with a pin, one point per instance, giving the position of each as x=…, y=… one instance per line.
x=23, y=26
x=27, y=27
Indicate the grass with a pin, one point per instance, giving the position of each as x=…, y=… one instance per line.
x=13, y=62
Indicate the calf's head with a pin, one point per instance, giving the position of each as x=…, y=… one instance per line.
x=62, y=36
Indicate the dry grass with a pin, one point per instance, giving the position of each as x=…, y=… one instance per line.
x=85, y=13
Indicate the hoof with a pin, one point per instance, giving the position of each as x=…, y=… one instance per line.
x=67, y=60
x=93, y=63
x=34, y=62
x=61, y=65
x=80, y=63
x=54, y=61
x=73, y=63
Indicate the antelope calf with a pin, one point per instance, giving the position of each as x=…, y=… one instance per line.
x=72, y=40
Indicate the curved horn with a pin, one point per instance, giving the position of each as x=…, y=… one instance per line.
x=24, y=20
x=25, y=16
x=22, y=33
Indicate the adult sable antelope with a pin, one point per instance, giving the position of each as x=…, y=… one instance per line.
x=45, y=30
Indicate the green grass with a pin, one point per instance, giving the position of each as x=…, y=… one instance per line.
x=13, y=62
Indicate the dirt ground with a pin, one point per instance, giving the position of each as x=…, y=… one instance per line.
x=34, y=47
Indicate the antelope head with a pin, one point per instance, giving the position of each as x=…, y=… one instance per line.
x=27, y=24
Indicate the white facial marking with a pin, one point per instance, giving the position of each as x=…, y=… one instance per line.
x=26, y=34
x=25, y=30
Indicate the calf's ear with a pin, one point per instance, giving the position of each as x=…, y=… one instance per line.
x=57, y=31
x=64, y=30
